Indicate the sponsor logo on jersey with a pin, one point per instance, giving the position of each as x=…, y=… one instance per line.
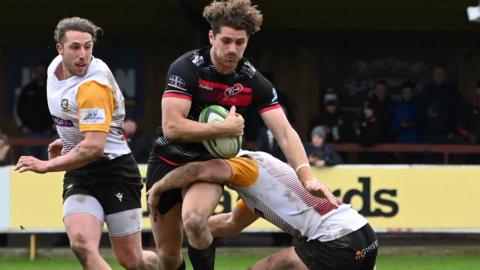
x=62, y=122
x=64, y=105
x=197, y=59
x=275, y=95
x=92, y=116
x=235, y=89
x=176, y=81
x=204, y=85
x=248, y=69
x=360, y=254
x=119, y=196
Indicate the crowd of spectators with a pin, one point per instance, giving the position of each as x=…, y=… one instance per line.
x=434, y=115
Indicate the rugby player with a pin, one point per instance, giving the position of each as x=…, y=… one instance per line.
x=102, y=182
x=216, y=74
x=329, y=237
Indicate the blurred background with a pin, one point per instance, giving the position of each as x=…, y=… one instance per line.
x=306, y=48
x=411, y=66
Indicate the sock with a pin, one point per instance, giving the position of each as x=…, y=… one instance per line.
x=202, y=259
x=182, y=266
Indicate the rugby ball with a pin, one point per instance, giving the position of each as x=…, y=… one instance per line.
x=226, y=147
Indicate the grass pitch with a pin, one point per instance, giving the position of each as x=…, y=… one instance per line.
x=390, y=258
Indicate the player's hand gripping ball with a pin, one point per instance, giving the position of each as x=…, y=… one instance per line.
x=226, y=147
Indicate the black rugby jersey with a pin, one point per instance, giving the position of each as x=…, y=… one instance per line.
x=194, y=77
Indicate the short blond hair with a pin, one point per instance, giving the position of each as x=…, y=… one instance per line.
x=238, y=14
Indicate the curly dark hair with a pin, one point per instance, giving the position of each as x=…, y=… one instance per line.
x=238, y=14
x=75, y=24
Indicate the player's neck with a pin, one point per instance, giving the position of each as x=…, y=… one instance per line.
x=66, y=73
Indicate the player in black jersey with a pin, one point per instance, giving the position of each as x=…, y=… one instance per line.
x=218, y=74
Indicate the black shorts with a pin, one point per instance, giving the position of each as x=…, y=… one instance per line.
x=354, y=251
x=116, y=183
x=155, y=171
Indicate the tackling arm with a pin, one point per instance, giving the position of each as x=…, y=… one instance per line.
x=213, y=171
x=232, y=223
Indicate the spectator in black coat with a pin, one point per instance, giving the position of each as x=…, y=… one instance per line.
x=383, y=105
x=338, y=125
x=439, y=110
x=369, y=133
x=32, y=110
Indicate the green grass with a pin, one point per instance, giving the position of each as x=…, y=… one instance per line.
x=411, y=258
x=428, y=262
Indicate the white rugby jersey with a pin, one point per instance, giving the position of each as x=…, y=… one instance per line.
x=93, y=102
x=277, y=195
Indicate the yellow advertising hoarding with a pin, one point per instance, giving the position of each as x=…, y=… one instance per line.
x=410, y=197
x=418, y=198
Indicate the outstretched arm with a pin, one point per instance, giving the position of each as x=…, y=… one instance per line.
x=232, y=223
x=88, y=150
x=213, y=171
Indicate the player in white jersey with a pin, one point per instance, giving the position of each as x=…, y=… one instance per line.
x=330, y=237
x=102, y=183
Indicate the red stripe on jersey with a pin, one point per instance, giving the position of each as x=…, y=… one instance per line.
x=323, y=207
x=212, y=85
x=271, y=107
x=238, y=100
x=177, y=95
x=169, y=161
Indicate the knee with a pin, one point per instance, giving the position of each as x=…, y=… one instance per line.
x=132, y=262
x=81, y=247
x=194, y=223
x=150, y=259
x=130, y=258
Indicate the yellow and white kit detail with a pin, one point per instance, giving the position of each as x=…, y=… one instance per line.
x=93, y=102
x=270, y=189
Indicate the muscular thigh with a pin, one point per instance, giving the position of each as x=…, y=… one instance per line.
x=83, y=227
x=285, y=259
x=202, y=197
x=168, y=231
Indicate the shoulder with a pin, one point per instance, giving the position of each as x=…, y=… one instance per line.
x=97, y=65
x=54, y=64
x=100, y=72
x=246, y=68
x=190, y=59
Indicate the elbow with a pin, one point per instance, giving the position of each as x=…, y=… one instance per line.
x=91, y=151
x=170, y=131
x=97, y=152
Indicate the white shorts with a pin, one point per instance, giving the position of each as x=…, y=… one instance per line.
x=119, y=224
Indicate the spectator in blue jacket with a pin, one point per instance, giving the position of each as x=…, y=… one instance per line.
x=405, y=123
